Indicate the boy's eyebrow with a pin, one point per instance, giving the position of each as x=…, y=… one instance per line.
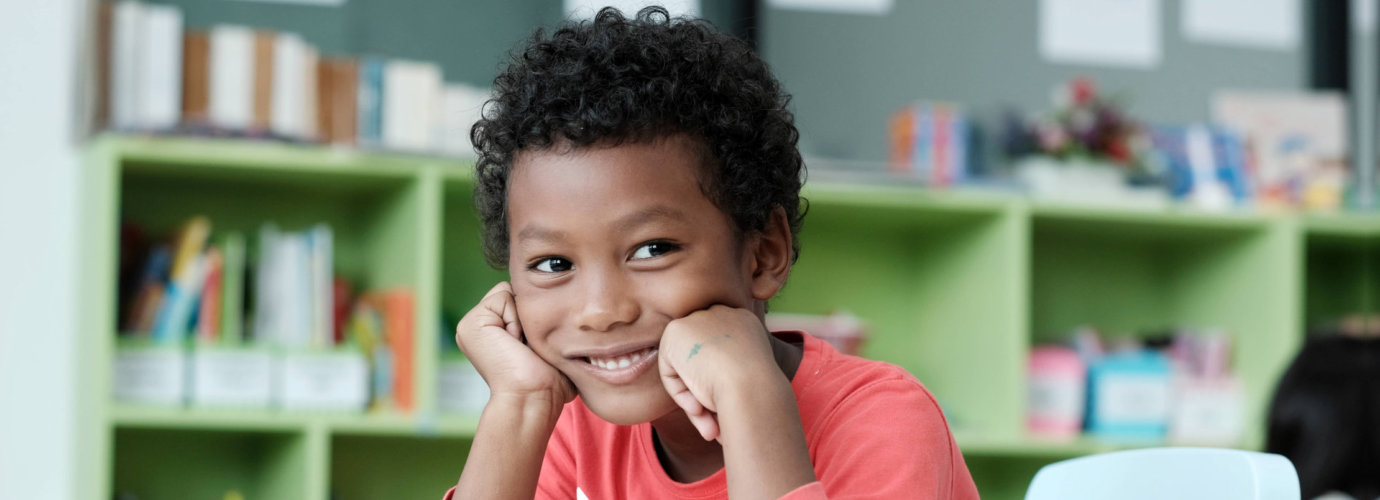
x=640, y=217
x=623, y=224
x=540, y=233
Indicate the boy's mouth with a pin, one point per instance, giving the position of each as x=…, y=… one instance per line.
x=622, y=368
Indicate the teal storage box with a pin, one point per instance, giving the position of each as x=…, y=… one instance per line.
x=1130, y=396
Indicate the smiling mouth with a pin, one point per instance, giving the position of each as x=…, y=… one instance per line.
x=620, y=361
x=623, y=368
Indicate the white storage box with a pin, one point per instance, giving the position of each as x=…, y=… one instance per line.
x=459, y=388
x=324, y=380
x=146, y=373
x=224, y=377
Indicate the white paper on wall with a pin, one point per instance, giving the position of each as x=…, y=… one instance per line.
x=872, y=7
x=321, y=3
x=1262, y=24
x=1123, y=33
x=585, y=9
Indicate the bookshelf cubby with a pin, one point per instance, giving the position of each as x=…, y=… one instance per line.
x=205, y=463
x=1343, y=268
x=954, y=287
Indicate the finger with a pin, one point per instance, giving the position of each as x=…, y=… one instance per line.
x=501, y=310
x=502, y=286
x=510, y=317
x=705, y=421
x=707, y=424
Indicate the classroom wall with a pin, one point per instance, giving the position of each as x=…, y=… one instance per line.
x=849, y=72
x=846, y=72
x=39, y=81
x=468, y=38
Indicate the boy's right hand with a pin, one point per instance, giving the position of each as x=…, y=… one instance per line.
x=490, y=335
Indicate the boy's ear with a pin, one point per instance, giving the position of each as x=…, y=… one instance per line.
x=771, y=251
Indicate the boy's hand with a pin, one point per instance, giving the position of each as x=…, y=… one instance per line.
x=709, y=353
x=491, y=337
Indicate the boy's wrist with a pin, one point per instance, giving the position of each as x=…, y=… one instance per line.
x=532, y=407
x=763, y=438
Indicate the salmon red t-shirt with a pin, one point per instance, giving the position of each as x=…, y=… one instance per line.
x=872, y=429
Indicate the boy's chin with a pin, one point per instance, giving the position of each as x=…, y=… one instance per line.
x=629, y=409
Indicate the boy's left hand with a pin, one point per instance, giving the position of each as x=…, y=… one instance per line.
x=709, y=353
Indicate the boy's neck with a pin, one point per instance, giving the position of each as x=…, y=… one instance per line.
x=684, y=455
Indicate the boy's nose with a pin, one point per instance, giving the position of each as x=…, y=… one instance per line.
x=608, y=303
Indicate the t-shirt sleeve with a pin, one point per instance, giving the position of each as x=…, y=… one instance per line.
x=812, y=491
x=889, y=439
x=557, y=480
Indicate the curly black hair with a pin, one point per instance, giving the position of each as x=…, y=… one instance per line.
x=615, y=80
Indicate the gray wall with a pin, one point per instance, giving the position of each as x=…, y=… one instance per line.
x=848, y=73
x=468, y=38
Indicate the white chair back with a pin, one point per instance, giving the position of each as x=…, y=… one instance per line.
x=1168, y=473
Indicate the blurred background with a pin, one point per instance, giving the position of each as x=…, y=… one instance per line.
x=238, y=233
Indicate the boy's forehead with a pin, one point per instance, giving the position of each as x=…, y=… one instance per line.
x=673, y=161
x=610, y=182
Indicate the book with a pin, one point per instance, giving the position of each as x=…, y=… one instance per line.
x=126, y=67
x=322, y=301
x=232, y=292
x=342, y=297
x=148, y=299
x=265, y=311
x=105, y=18
x=261, y=118
x=196, y=77
x=208, y=322
x=397, y=309
x=189, y=243
x=232, y=76
x=337, y=103
x=293, y=296
x=293, y=87
x=369, y=104
x=307, y=106
x=183, y=293
x=159, y=99
x=411, y=94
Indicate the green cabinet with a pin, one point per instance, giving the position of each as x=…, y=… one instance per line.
x=954, y=287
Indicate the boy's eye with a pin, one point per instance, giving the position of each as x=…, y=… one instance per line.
x=552, y=265
x=654, y=249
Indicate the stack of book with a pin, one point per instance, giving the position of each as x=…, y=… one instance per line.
x=311, y=343
x=156, y=76
x=190, y=286
x=929, y=141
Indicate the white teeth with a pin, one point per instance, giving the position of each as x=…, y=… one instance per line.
x=623, y=361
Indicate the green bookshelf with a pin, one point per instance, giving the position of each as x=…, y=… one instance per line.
x=954, y=287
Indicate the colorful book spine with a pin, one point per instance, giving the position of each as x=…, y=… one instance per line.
x=208, y=323
x=183, y=293
x=370, y=103
x=398, y=310
x=149, y=298
x=232, y=294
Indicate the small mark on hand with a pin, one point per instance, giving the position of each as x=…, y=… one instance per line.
x=696, y=348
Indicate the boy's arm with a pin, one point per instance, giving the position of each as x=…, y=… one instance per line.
x=506, y=456
x=526, y=398
x=763, y=441
x=717, y=364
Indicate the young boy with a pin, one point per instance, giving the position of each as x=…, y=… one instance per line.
x=639, y=179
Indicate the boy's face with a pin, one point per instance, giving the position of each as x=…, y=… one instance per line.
x=608, y=245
